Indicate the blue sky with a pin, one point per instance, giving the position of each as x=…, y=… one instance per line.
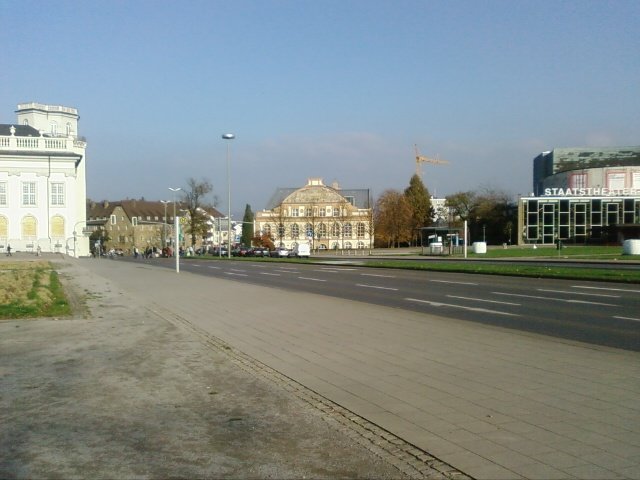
x=335, y=89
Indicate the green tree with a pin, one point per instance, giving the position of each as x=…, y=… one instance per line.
x=419, y=200
x=198, y=220
x=461, y=205
x=247, y=226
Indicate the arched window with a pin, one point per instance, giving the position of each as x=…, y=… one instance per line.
x=360, y=244
x=4, y=227
x=68, y=129
x=335, y=229
x=309, y=230
x=54, y=128
x=295, y=230
x=322, y=230
x=281, y=230
x=57, y=227
x=29, y=228
x=347, y=230
x=348, y=245
x=360, y=230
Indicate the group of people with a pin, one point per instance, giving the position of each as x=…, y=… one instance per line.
x=38, y=251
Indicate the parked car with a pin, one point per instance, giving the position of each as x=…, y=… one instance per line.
x=280, y=252
x=259, y=252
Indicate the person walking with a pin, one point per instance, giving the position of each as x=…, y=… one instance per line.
x=8, y=250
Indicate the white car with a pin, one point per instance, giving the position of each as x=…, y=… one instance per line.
x=280, y=252
x=301, y=250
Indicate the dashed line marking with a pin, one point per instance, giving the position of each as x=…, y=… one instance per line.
x=578, y=293
x=628, y=318
x=377, y=275
x=455, y=283
x=376, y=286
x=570, y=300
x=236, y=274
x=484, y=300
x=312, y=279
x=606, y=288
x=473, y=309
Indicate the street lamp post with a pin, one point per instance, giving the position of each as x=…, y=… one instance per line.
x=228, y=136
x=176, y=251
x=164, y=222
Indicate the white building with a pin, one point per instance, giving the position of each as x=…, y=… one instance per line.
x=43, y=181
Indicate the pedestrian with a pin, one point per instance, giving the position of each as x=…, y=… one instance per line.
x=38, y=251
x=8, y=250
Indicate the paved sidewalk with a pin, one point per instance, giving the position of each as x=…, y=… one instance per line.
x=491, y=402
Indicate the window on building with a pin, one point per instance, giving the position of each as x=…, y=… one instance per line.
x=280, y=230
x=635, y=181
x=3, y=194
x=351, y=200
x=347, y=232
x=308, y=228
x=322, y=230
x=28, y=194
x=134, y=221
x=294, y=212
x=336, y=212
x=68, y=129
x=615, y=181
x=348, y=245
x=57, y=194
x=360, y=230
x=578, y=180
x=54, y=128
x=267, y=229
x=25, y=122
x=57, y=227
x=113, y=220
x=335, y=229
x=295, y=231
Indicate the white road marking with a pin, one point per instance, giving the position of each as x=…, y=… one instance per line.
x=578, y=293
x=376, y=286
x=237, y=270
x=268, y=273
x=628, y=318
x=456, y=283
x=556, y=299
x=217, y=268
x=377, y=275
x=473, y=309
x=236, y=274
x=606, y=288
x=312, y=279
x=484, y=300
x=339, y=269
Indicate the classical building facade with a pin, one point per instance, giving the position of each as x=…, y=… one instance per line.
x=325, y=217
x=582, y=195
x=43, y=181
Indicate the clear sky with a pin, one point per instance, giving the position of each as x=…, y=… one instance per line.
x=338, y=89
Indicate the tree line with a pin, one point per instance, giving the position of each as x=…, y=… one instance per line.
x=490, y=214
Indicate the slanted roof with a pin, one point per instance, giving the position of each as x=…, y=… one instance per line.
x=21, y=130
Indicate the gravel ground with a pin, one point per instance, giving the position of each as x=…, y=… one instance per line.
x=119, y=391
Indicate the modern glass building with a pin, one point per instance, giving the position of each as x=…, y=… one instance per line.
x=582, y=196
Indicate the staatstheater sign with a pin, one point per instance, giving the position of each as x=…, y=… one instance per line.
x=591, y=192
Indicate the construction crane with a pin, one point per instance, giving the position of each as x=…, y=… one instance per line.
x=420, y=159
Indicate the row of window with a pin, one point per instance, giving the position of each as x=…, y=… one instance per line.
x=29, y=226
x=29, y=195
x=316, y=211
x=54, y=127
x=615, y=180
x=336, y=230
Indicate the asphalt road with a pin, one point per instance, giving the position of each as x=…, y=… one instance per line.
x=599, y=313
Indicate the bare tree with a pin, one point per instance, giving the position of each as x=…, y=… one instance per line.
x=198, y=223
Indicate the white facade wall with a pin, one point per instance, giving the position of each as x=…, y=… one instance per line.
x=48, y=162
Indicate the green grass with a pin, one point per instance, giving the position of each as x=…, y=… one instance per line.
x=498, y=267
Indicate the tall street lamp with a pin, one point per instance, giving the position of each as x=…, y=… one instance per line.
x=228, y=136
x=164, y=222
x=176, y=250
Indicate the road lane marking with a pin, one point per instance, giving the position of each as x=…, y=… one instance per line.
x=237, y=270
x=236, y=274
x=473, y=309
x=269, y=273
x=377, y=275
x=196, y=265
x=312, y=279
x=484, y=300
x=627, y=318
x=606, y=288
x=376, y=286
x=217, y=268
x=556, y=299
x=456, y=283
x=578, y=293
x=339, y=269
